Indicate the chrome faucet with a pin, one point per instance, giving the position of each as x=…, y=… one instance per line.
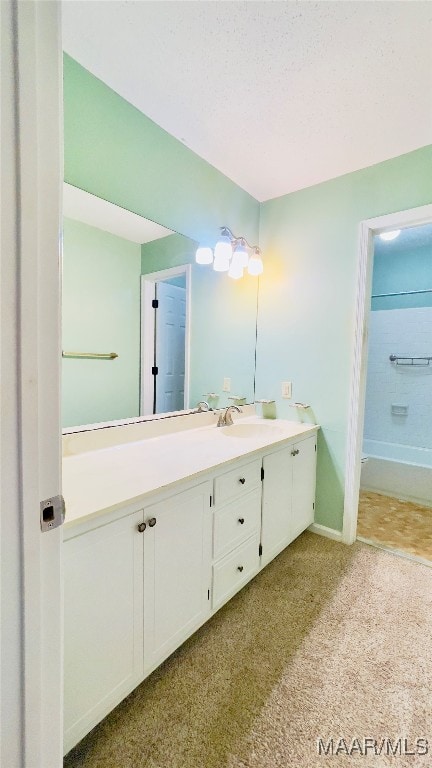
x=225, y=418
x=203, y=406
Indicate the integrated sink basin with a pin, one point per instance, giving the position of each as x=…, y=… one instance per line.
x=247, y=430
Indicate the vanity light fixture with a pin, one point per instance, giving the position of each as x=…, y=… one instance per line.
x=390, y=235
x=231, y=254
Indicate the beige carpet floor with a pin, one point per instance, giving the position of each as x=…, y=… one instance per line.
x=328, y=641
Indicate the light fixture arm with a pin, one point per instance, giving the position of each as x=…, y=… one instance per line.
x=226, y=232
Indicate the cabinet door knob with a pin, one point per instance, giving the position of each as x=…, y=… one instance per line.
x=142, y=527
x=241, y=520
x=240, y=568
x=297, y=451
x=242, y=480
x=293, y=453
x=152, y=522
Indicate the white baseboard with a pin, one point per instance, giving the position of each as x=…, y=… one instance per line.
x=322, y=530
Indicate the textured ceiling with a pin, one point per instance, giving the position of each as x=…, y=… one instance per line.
x=276, y=95
x=408, y=240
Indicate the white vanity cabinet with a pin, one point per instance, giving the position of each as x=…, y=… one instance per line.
x=288, y=501
x=140, y=579
x=177, y=571
x=103, y=621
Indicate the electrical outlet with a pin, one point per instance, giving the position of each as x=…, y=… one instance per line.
x=287, y=390
x=227, y=385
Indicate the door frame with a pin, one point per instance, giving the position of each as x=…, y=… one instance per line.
x=148, y=330
x=30, y=435
x=367, y=230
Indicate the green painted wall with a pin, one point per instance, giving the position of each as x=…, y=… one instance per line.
x=402, y=270
x=306, y=302
x=306, y=317
x=101, y=313
x=223, y=321
x=115, y=152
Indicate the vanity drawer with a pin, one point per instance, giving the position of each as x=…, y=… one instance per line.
x=237, y=482
x=236, y=522
x=237, y=568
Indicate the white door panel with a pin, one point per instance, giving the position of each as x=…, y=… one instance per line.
x=177, y=571
x=31, y=628
x=304, y=466
x=170, y=347
x=277, y=503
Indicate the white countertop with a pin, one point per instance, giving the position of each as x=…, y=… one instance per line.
x=103, y=480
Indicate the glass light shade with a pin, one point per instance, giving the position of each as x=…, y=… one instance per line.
x=390, y=235
x=241, y=255
x=204, y=255
x=223, y=248
x=255, y=266
x=236, y=270
x=221, y=263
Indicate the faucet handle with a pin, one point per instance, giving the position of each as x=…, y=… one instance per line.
x=203, y=406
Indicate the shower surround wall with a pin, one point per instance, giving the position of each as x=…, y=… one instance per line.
x=402, y=332
x=399, y=446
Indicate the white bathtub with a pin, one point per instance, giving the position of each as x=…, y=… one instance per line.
x=398, y=470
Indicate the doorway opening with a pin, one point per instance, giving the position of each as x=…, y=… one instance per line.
x=395, y=506
x=388, y=499
x=165, y=333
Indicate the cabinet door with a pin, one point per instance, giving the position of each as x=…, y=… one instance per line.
x=103, y=617
x=177, y=571
x=303, y=493
x=276, y=503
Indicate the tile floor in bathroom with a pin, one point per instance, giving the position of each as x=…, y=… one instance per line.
x=401, y=525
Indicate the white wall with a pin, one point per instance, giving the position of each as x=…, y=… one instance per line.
x=402, y=332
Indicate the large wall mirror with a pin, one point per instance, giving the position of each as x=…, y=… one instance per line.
x=146, y=330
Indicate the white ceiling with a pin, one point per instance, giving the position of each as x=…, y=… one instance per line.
x=82, y=206
x=277, y=95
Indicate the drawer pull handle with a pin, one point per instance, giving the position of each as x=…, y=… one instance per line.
x=152, y=522
x=241, y=520
x=142, y=527
x=242, y=480
x=240, y=568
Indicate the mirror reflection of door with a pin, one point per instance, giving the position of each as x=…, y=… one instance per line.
x=165, y=339
x=169, y=349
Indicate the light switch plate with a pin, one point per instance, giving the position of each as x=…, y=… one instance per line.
x=227, y=385
x=287, y=390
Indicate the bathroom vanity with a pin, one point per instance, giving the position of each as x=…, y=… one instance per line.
x=162, y=529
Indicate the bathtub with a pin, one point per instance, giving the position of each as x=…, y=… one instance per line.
x=397, y=470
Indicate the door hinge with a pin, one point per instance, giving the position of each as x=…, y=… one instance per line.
x=155, y=303
x=260, y=550
x=262, y=473
x=52, y=513
x=155, y=370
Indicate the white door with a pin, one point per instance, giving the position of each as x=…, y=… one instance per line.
x=31, y=631
x=276, y=503
x=177, y=571
x=170, y=347
x=103, y=583
x=303, y=498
